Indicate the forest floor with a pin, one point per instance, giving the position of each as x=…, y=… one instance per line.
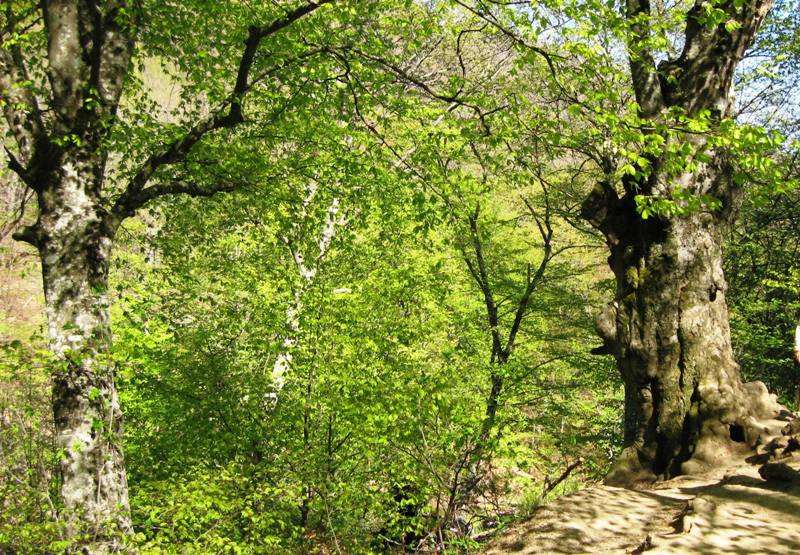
x=731, y=509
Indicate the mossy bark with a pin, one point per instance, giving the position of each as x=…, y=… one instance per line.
x=685, y=404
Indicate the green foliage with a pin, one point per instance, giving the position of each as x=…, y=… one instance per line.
x=28, y=492
x=369, y=441
x=387, y=384
x=229, y=509
x=429, y=129
x=761, y=266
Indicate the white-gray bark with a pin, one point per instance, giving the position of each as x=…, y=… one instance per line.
x=308, y=271
x=61, y=154
x=75, y=249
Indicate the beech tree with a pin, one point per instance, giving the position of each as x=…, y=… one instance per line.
x=64, y=66
x=685, y=402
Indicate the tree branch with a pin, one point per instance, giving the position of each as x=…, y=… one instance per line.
x=171, y=188
x=532, y=282
x=550, y=485
x=180, y=148
x=491, y=20
x=481, y=277
x=112, y=50
x=646, y=83
x=27, y=234
x=703, y=73
x=20, y=106
x=456, y=97
x=16, y=166
x=64, y=58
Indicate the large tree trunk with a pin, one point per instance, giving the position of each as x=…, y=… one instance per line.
x=686, y=407
x=75, y=243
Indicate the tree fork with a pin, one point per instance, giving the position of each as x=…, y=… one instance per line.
x=685, y=404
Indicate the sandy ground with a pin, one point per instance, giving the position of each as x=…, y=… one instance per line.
x=732, y=510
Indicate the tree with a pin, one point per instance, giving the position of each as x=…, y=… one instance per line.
x=685, y=403
x=64, y=68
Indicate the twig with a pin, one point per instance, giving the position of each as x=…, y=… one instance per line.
x=550, y=486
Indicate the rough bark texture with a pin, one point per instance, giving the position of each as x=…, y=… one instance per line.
x=60, y=156
x=75, y=244
x=685, y=403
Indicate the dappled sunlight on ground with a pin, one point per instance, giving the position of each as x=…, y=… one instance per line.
x=734, y=511
x=598, y=520
x=742, y=514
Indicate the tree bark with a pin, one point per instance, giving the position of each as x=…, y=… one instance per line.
x=307, y=273
x=685, y=404
x=686, y=407
x=74, y=243
x=61, y=155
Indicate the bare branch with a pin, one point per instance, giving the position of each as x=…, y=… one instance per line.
x=456, y=97
x=550, y=485
x=490, y=20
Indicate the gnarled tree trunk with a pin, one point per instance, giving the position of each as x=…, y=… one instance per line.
x=685, y=404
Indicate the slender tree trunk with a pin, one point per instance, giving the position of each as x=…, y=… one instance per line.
x=308, y=273
x=501, y=347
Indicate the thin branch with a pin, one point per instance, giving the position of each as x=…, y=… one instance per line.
x=456, y=97
x=24, y=198
x=482, y=278
x=171, y=188
x=550, y=485
x=491, y=20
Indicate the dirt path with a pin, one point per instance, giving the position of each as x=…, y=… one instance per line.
x=732, y=510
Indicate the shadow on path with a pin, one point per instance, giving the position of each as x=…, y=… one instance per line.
x=739, y=513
